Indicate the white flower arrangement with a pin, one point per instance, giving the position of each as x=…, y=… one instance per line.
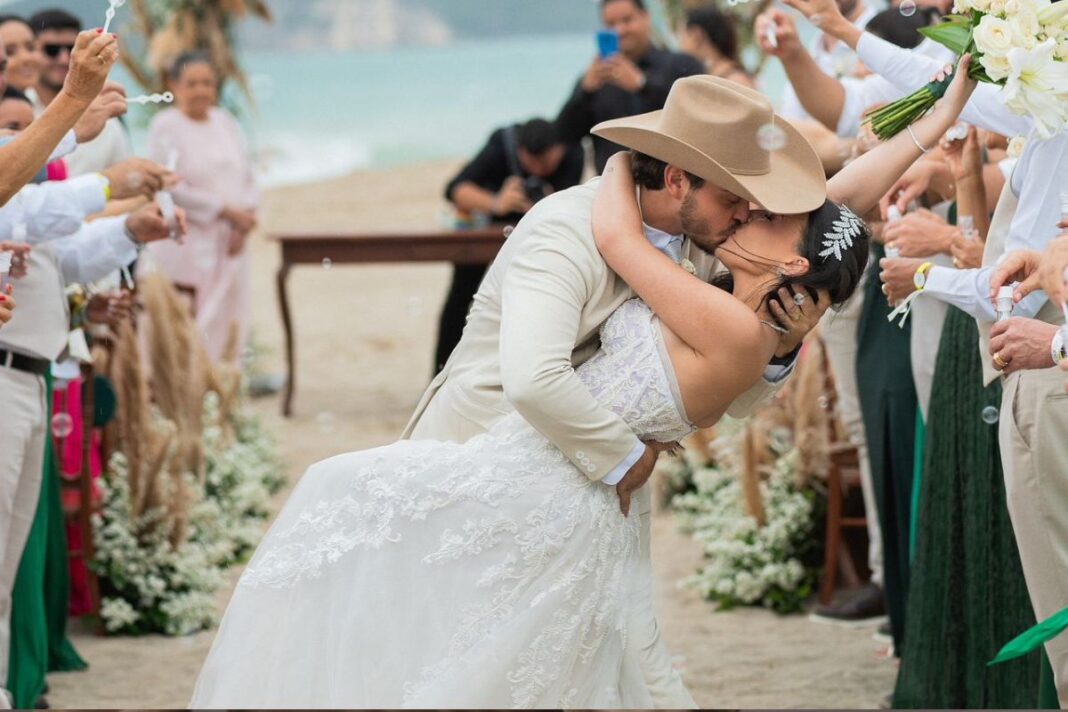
x=748, y=564
x=149, y=585
x=1020, y=45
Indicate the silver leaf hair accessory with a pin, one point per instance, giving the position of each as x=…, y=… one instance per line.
x=847, y=227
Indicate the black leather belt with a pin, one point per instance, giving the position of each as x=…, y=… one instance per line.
x=36, y=366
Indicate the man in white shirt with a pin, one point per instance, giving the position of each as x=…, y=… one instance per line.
x=36, y=336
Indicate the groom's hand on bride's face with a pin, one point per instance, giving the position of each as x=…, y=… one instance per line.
x=800, y=319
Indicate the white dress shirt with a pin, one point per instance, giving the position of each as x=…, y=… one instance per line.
x=838, y=62
x=1039, y=177
x=53, y=209
x=95, y=251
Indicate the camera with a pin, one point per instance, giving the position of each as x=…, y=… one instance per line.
x=536, y=188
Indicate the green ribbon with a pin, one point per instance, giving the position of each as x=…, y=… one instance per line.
x=1033, y=638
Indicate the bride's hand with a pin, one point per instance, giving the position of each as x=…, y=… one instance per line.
x=959, y=92
x=615, y=209
x=800, y=319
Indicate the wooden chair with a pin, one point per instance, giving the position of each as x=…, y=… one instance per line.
x=842, y=477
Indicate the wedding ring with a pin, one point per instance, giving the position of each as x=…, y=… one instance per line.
x=799, y=299
x=956, y=263
x=1000, y=362
x=886, y=291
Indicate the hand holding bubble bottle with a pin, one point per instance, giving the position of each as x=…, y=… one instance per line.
x=164, y=198
x=892, y=216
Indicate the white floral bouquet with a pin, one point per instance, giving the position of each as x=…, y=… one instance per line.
x=1019, y=45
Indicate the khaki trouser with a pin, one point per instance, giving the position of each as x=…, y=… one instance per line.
x=1034, y=447
x=22, y=444
x=839, y=332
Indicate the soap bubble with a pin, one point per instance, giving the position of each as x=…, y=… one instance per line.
x=907, y=8
x=771, y=138
x=991, y=415
x=62, y=425
x=508, y=230
x=325, y=421
x=327, y=263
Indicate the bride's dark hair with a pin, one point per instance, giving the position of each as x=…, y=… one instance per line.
x=838, y=278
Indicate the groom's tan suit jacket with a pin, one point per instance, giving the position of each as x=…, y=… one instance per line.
x=534, y=320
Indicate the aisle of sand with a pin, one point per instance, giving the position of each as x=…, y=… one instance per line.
x=365, y=336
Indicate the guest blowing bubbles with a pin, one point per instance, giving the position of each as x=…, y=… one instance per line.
x=94, y=55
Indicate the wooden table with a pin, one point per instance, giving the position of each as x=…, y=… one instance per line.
x=465, y=247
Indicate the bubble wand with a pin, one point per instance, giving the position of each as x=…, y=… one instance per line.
x=164, y=98
x=110, y=14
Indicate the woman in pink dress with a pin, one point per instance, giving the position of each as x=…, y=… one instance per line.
x=208, y=151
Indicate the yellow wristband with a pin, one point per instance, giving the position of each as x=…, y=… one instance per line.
x=920, y=280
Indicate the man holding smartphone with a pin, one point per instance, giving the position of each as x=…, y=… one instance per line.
x=634, y=79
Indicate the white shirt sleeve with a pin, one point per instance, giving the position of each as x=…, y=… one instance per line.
x=95, y=251
x=909, y=70
x=53, y=209
x=1044, y=168
x=861, y=95
x=620, y=471
x=67, y=145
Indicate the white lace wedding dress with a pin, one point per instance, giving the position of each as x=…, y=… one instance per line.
x=428, y=574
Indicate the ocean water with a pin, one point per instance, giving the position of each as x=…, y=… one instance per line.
x=323, y=115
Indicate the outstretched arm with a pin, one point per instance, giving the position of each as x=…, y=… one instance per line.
x=821, y=95
x=862, y=183
x=24, y=156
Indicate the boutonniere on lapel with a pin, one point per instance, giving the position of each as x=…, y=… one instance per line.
x=689, y=267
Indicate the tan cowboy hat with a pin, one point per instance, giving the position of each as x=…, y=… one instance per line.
x=710, y=127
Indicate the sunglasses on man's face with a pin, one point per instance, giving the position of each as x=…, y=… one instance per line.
x=54, y=50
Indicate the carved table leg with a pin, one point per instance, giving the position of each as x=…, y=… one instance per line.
x=287, y=323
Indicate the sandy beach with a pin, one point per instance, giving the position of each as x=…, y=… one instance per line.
x=364, y=346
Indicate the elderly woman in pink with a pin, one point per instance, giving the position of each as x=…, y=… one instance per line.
x=207, y=149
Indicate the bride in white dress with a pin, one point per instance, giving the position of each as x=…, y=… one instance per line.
x=494, y=573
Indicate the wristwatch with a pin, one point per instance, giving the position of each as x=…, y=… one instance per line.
x=920, y=279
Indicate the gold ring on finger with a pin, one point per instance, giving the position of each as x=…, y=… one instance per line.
x=1000, y=362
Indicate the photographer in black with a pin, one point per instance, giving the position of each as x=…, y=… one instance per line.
x=519, y=165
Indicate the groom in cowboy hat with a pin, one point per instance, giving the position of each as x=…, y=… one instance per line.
x=537, y=315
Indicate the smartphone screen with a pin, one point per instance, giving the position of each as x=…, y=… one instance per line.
x=607, y=43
